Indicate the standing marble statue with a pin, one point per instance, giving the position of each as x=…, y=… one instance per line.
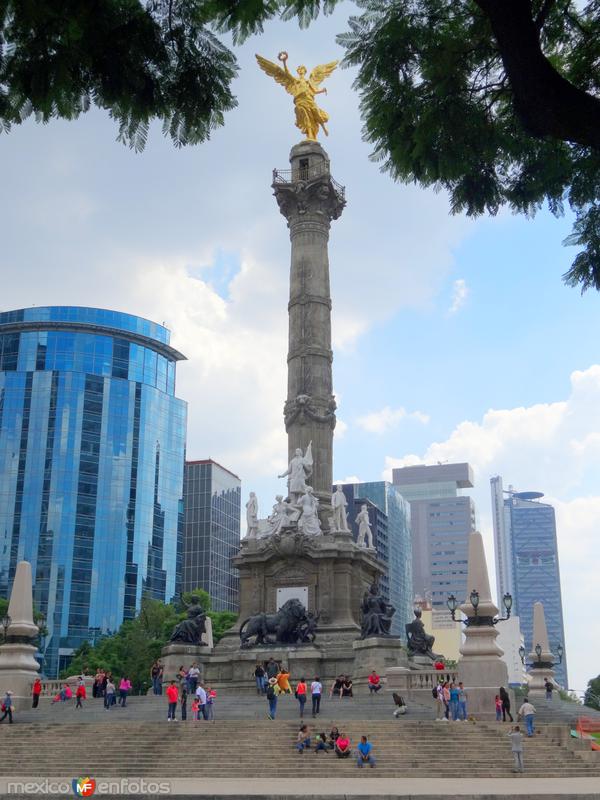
x=365, y=535
x=339, y=503
x=309, y=518
x=252, y=516
x=299, y=470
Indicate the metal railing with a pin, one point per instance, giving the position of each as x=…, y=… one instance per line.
x=285, y=176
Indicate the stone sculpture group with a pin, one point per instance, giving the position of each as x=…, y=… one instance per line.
x=299, y=511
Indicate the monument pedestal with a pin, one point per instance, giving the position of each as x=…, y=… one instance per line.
x=329, y=574
x=176, y=655
x=379, y=653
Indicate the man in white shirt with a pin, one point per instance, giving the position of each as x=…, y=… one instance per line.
x=316, y=689
x=201, y=695
x=526, y=712
x=193, y=675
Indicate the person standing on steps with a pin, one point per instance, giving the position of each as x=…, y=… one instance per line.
x=259, y=677
x=124, y=689
x=316, y=690
x=80, y=694
x=504, y=696
x=7, y=707
x=272, y=698
x=201, y=695
x=454, y=702
x=301, y=695
x=109, y=694
x=172, y=697
x=462, y=702
x=283, y=681
x=549, y=687
x=498, y=708
x=211, y=696
x=272, y=668
x=516, y=741
x=36, y=691
x=155, y=675
x=527, y=712
x=193, y=677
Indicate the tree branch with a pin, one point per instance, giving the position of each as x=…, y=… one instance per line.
x=547, y=103
x=543, y=14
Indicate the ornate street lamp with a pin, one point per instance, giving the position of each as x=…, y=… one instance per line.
x=538, y=651
x=5, y=623
x=452, y=604
x=522, y=654
x=560, y=651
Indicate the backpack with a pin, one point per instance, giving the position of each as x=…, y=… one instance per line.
x=434, y=692
x=270, y=693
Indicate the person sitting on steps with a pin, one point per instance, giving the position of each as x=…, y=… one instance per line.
x=363, y=753
x=303, y=739
x=342, y=746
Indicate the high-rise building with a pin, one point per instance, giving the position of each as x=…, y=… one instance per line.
x=392, y=540
x=211, y=532
x=441, y=521
x=92, y=443
x=502, y=543
x=529, y=534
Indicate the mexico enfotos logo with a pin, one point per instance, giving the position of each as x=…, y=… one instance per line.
x=87, y=787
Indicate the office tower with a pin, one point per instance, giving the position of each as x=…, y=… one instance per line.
x=391, y=534
x=92, y=444
x=211, y=532
x=531, y=549
x=502, y=544
x=441, y=521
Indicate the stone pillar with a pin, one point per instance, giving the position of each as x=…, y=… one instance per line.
x=480, y=667
x=310, y=199
x=541, y=666
x=18, y=666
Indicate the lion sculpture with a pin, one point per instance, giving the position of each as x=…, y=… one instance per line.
x=285, y=625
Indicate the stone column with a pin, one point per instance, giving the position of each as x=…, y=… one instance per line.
x=541, y=666
x=480, y=667
x=310, y=199
x=18, y=666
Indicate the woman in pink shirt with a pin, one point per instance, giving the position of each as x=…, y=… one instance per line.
x=342, y=746
x=124, y=687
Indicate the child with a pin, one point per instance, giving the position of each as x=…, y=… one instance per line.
x=320, y=742
x=195, y=708
x=498, y=708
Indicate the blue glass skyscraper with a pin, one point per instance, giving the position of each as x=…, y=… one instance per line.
x=393, y=543
x=92, y=445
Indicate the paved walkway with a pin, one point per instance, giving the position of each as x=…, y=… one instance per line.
x=345, y=789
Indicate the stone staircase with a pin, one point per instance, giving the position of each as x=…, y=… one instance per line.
x=246, y=748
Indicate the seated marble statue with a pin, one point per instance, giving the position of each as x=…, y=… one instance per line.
x=190, y=630
x=418, y=641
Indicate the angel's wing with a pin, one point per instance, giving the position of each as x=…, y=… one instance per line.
x=321, y=72
x=281, y=76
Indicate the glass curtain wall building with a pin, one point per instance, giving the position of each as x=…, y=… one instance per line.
x=212, y=497
x=393, y=545
x=530, y=530
x=92, y=447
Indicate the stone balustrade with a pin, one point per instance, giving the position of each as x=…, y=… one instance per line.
x=399, y=679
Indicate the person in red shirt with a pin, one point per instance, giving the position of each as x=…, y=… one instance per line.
x=301, y=695
x=374, y=682
x=36, y=692
x=172, y=697
x=439, y=665
x=342, y=746
x=80, y=694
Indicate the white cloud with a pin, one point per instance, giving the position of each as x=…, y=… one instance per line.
x=554, y=448
x=460, y=292
x=340, y=428
x=388, y=418
x=349, y=479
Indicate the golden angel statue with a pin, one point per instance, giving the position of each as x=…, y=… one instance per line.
x=309, y=117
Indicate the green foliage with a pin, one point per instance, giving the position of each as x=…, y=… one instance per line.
x=156, y=60
x=221, y=622
x=592, y=693
x=201, y=595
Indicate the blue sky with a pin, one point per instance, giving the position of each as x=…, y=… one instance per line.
x=193, y=237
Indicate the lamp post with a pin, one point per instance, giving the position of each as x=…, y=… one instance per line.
x=538, y=651
x=522, y=654
x=41, y=623
x=452, y=604
x=560, y=652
